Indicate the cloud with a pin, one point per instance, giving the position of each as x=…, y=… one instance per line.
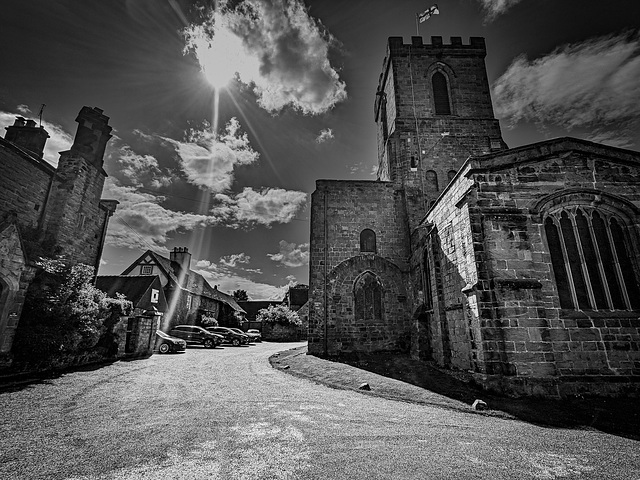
x=273, y=45
x=591, y=85
x=59, y=140
x=140, y=222
x=291, y=255
x=139, y=170
x=235, y=259
x=208, y=158
x=264, y=207
x=325, y=135
x=493, y=8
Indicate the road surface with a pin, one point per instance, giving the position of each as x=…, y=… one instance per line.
x=227, y=414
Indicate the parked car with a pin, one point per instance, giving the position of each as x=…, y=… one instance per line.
x=250, y=338
x=234, y=338
x=196, y=336
x=252, y=332
x=166, y=343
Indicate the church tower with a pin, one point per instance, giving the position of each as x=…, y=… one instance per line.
x=433, y=110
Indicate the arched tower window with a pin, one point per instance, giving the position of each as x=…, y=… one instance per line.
x=432, y=180
x=591, y=261
x=440, y=94
x=368, y=241
x=368, y=293
x=451, y=174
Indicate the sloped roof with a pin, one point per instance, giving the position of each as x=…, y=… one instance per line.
x=196, y=284
x=133, y=288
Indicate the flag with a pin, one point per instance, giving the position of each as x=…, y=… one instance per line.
x=424, y=16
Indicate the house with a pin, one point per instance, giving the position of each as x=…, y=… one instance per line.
x=189, y=296
x=519, y=265
x=48, y=211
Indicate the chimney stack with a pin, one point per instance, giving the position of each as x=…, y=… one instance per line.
x=182, y=257
x=25, y=134
x=92, y=135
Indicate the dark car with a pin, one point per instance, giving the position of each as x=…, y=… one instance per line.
x=196, y=336
x=234, y=338
x=252, y=332
x=166, y=343
x=250, y=338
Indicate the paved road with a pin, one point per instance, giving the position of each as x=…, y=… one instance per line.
x=226, y=414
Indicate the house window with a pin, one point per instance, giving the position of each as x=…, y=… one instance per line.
x=368, y=241
x=440, y=94
x=368, y=297
x=146, y=270
x=155, y=295
x=591, y=261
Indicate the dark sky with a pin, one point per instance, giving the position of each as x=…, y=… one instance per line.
x=304, y=108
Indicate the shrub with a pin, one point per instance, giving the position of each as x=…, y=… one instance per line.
x=280, y=314
x=208, y=321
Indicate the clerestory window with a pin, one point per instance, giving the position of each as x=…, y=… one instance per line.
x=591, y=260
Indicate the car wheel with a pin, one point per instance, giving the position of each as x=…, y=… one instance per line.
x=208, y=343
x=164, y=348
x=235, y=342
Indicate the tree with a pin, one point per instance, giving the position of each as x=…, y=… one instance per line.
x=240, y=295
x=280, y=314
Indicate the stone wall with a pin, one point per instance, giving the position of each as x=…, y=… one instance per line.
x=340, y=210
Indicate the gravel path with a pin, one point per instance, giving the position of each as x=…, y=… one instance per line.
x=227, y=414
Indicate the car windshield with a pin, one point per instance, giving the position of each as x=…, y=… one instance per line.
x=161, y=334
x=237, y=330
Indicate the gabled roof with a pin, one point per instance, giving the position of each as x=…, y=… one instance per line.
x=133, y=288
x=196, y=283
x=549, y=148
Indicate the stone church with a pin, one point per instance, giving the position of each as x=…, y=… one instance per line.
x=48, y=211
x=519, y=265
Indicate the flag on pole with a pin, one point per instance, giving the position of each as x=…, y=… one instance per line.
x=424, y=16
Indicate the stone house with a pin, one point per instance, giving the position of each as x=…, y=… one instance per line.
x=518, y=265
x=46, y=210
x=189, y=295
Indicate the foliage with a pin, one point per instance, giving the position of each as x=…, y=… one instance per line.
x=240, y=295
x=280, y=314
x=208, y=321
x=64, y=313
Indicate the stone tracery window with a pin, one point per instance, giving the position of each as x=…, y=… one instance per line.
x=368, y=241
x=591, y=260
x=368, y=294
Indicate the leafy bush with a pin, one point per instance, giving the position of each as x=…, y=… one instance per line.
x=64, y=313
x=208, y=321
x=280, y=314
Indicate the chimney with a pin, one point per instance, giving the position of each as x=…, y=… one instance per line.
x=25, y=134
x=92, y=136
x=182, y=257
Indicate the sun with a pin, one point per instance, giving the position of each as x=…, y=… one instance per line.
x=222, y=56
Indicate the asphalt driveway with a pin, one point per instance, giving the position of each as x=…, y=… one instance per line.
x=227, y=414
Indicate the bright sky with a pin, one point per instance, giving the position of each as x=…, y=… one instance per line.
x=228, y=172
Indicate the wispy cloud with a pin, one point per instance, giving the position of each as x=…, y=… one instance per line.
x=59, y=140
x=276, y=47
x=291, y=255
x=494, y=8
x=591, y=85
x=264, y=207
x=139, y=170
x=325, y=135
x=235, y=259
x=208, y=158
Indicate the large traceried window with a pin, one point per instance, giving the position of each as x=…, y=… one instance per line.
x=368, y=294
x=440, y=94
x=591, y=260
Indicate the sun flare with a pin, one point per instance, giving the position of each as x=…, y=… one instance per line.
x=222, y=56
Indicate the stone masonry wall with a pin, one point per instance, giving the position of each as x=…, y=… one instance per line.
x=352, y=206
x=526, y=342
